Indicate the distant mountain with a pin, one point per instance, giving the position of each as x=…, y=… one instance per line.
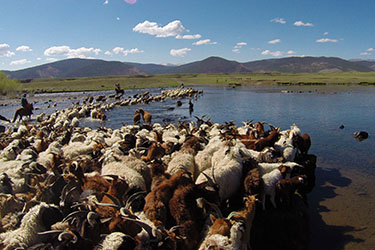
x=306, y=64
x=75, y=68
x=367, y=63
x=153, y=69
x=90, y=67
x=211, y=65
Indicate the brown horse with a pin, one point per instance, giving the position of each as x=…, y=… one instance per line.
x=23, y=111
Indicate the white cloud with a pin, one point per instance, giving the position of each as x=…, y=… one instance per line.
x=106, y=2
x=278, y=20
x=370, y=49
x=38, y=59
x=179, y=52
x=204, y=42
x=274, y=41
x=125, y=52
x=300, y=23
x=108, y=53
x=325, y=33
x=275, y=53
x=24, y=48
x=236, y=50
x=117, y=18
x=51, y=59
x=241, y=44
x=290, y=52
x=19, y=62
x=171, y=29
x=5, y=50
x=365, y=54
x=131, y=1
x=327, y=40
x=197, y=36
x=70, y=53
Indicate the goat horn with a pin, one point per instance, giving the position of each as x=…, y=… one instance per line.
x=91, y=216
x=144, y=225
x=50, y=232
x=106, y=204
x=80, y=213
x=132, y=197
x=71, y=236
x=114, y=199
x=210, y=181
x=174, y=228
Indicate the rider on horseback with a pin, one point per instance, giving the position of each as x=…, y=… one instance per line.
x=24, y=101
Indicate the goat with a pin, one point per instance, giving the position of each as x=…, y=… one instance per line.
x=285, y=189
x=270, y=179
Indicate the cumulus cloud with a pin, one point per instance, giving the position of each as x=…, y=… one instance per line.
x=125, y=52
x=108, y=53
x=275, y=53
x=365, y=54
x=204, y=42
x=19, y=62
x=326, y=40
x=5, y=50
x=300, y=23
x=51, y=59
x=274, y=41
x=131, y=1
x=179, y=52
x=197, y=36
x=241, y=44
x=173, y=28
x=325, y=33
x=24, y=48
x=370, y=49
x=290, y=52
x=235, y=50
x=278, y=20
x=70, y=53
x=106, y=2
x=117, y=18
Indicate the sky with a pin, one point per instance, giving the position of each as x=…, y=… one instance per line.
x=35, y=32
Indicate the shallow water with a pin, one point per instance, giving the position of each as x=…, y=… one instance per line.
x=316, y=112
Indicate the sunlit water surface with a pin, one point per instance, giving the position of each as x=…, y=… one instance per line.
x=316, y=112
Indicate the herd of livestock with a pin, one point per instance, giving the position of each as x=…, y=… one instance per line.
x=191, y=185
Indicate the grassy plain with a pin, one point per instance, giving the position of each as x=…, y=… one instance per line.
x=171, y=80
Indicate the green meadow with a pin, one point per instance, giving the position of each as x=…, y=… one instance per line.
x=173, y=80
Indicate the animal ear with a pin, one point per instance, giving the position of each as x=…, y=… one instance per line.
x=212, y=218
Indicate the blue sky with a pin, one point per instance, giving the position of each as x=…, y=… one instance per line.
x=34, y=32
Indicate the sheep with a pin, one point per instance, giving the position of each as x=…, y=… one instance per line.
x=118, y=240
x=38, y=219
x=227, y=172
x=185, y=157
x=270, y=179
x=133, y=178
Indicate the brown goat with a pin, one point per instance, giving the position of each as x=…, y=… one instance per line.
x=268, y=141
x=156, y=202
x=155, y=151
x=146, y=116
x=303, y=143
x=136, y=118
x=253, y=182
x=285, y=189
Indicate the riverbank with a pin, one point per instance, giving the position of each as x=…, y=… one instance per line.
x=341, y=208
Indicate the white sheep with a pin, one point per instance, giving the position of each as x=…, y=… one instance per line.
x=27, y=233
x=131, y=176
x=227, y=171
x=270, y=179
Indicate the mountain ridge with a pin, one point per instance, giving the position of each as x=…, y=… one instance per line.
x=77, y=67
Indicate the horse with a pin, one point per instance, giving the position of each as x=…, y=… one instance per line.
x=119, y=91
x=23, y=111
